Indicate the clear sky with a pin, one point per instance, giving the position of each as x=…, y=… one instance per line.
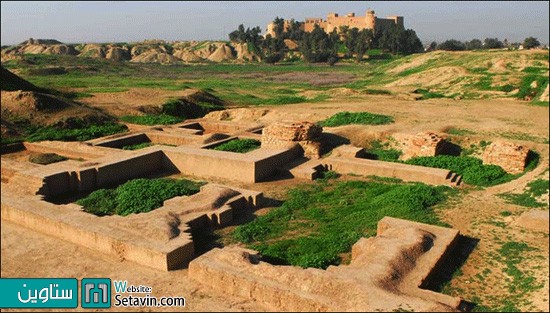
x=75, y=22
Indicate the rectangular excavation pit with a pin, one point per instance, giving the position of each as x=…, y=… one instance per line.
x=215, y=144
x=160, y=239
x=152, y=137
x=208, y=127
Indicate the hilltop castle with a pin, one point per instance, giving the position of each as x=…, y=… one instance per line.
x=334, y=21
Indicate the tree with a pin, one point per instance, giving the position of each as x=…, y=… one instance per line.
x=474, y=44
x=317, y=46
x=279, y=26
x=530, y=42
x=432, y=46
x=452, y=45
x=363, y=43
x=492, y=43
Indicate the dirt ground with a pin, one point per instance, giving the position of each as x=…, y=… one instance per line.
x=26, y=253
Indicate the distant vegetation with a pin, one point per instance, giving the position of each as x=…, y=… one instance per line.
x=80, y=132
x=136, y=196
x=318, y=46
x=149, y=119
x=239, y=145
x=488, y=43
x=321, y=221
x=363, y=118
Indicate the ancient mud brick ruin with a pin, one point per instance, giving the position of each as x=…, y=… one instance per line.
x=421, y=144
x=287, y=134
x=510, y=156
x=387, y=271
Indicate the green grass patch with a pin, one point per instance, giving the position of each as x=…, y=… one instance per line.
x=136, y=196
x=239, y=145
x=106, y=89
x=363, y=118
x=528, y=199
x=512, y=253
x=320, y=221
x=149, y=119
x=473, y=171
x=284, y=100
x=459, y=131
x=528, y=92
x=137, y=146
x=46, y=158
x=426, y=94
x=79, y=132
x=535, y=70
x=370, y=91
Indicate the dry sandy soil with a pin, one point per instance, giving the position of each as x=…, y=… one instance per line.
x=476, y=213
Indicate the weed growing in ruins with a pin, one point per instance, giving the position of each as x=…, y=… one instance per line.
x=473, y=171
x=136, y=196
x=149, y=119
x=46, y=158
x=363, y=118
x=239, y=145
x=528, y=199
x=320, y=221
x=137, y=146
x=79, y=133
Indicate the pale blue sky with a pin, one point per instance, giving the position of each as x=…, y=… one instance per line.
x=74, y=22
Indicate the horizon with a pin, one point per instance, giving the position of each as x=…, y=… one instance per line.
x=103, y=22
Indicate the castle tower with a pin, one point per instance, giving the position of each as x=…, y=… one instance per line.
x=370, y=20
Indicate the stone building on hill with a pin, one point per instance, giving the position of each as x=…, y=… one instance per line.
x=335, y=21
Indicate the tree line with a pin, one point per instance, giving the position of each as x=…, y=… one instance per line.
x=319, y=46
x=488, y=43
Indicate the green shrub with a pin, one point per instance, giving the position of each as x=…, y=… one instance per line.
x=136, y=196
x=318, y=222
x=239, y=145
x=185, y=109
x=46, y=158
x=426, y=94
x=284, y=100
x=149, y=119
x=364, y=118
x=79, y=133
x=473, y=171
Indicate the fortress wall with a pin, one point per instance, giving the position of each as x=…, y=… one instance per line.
x=351, y=22
x=406, y=172
x=210, y=163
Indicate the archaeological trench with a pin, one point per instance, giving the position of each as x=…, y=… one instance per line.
x=386, y=271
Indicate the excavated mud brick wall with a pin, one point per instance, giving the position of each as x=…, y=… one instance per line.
x=510, y=156
x=421, y=144
x=283, y=135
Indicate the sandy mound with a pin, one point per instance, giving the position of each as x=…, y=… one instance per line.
x=534, y=219
x=154, y=56
x=244, y=54
x=187, y=56
x=415, y=62
x=498, y=66
x=205, y=49
x=44, y=49
x=222, y=53
x=117, y=54
x=12, y=82
x=442, y=76
x=92, y=51
x=44, y=109
x=237, y=115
